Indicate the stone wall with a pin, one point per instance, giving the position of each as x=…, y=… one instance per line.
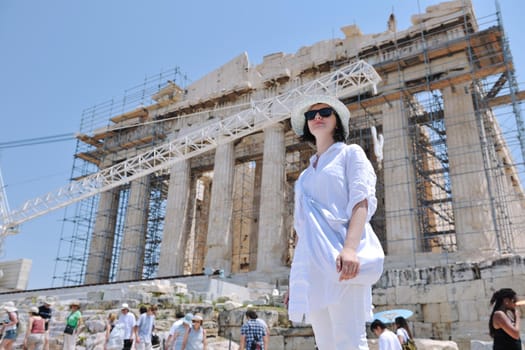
x=223, y=317
x=450, y=301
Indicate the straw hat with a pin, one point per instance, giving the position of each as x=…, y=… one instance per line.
x=297, y=117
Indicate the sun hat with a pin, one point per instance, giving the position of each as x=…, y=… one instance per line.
x=188, y=318
x=308, y=101
x=197, y=317
x=124, y=306
x=9, y=306
x=74, y=303
x=33, y=310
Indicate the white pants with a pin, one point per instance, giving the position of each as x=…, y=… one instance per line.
x=142, y=345
x=342, y=325
x=70, y=341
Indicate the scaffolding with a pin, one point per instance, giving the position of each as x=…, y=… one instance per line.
x=417, y=68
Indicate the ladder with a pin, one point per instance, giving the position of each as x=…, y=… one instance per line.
x=350, y=80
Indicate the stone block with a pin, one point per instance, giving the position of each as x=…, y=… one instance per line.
x=466, y=290
x=431, y=312
x=298, y=343
x=448, y=312
x=467, y=311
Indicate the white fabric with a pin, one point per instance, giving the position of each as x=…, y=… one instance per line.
x=70, y=341
x=389, y=341
x=403, y=333
x=128, y=320
x=116, y=337
x=334, y=329
x=324, y=199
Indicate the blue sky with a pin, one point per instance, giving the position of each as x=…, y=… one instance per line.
x=60, y=57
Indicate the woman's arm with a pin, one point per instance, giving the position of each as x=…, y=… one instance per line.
x=347, y=263
x=501, y=320
x=29, y=328
x=204, y=340
x=185, y=340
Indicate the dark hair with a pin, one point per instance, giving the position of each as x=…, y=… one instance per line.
x=251, y=314
x=143, y=309
x=497, y=300
x=339, y=132
x=377, y=324
x=401, y=322
x=179, y=314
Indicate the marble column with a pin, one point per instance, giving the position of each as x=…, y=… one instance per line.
x=219, y=240
x=174, y=238
x=131, y=259
x=475, y=231
x=272, y=239
x=101, y=246
x=400, y=188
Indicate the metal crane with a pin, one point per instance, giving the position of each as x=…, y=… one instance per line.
x=350, y=80
x=5, y=212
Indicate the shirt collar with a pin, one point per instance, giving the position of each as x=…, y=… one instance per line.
x=336, y=146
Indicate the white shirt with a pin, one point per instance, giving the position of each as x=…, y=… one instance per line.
x=389, y=341
x=403, y=333
x=324, y=199
x=129, y=321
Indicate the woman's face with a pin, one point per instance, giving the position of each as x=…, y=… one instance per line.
x=321, y=126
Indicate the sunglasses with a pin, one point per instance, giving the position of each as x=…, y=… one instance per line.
x=323, y=112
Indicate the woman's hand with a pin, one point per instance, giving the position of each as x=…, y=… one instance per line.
x=347, y=264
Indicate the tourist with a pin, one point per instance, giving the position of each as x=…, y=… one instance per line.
x=179, y=319
x=73, y=321
x=403, y=333
x=195, y=337
x=177, y=335
x=252, y=333
x=46, y=313
x=128, y=320
x=36, y=329
x=114, y=333
x=266, y=338
x=9, y=326
x=387, y=339
x=504, y=322
x=144, y=328
x=337, y=256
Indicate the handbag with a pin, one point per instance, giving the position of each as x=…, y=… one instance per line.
x=69, y=329
x=410, y=345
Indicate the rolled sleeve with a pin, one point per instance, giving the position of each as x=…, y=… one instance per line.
x=361, y=180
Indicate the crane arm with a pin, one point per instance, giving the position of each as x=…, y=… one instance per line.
x=350, y=80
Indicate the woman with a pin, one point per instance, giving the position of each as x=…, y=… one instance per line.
x=36, y=329
x=9, y=327
x=337, y=256
x=504, y=322
x=195, y=336
x=73, y=320
x=403, y=331
x=114, y=333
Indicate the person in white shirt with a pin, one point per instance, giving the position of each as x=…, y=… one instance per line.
x=337, y=257
x=179, y=318
x=387, y=339
x=128, y=320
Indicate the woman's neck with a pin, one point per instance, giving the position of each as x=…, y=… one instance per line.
x=322, y=145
